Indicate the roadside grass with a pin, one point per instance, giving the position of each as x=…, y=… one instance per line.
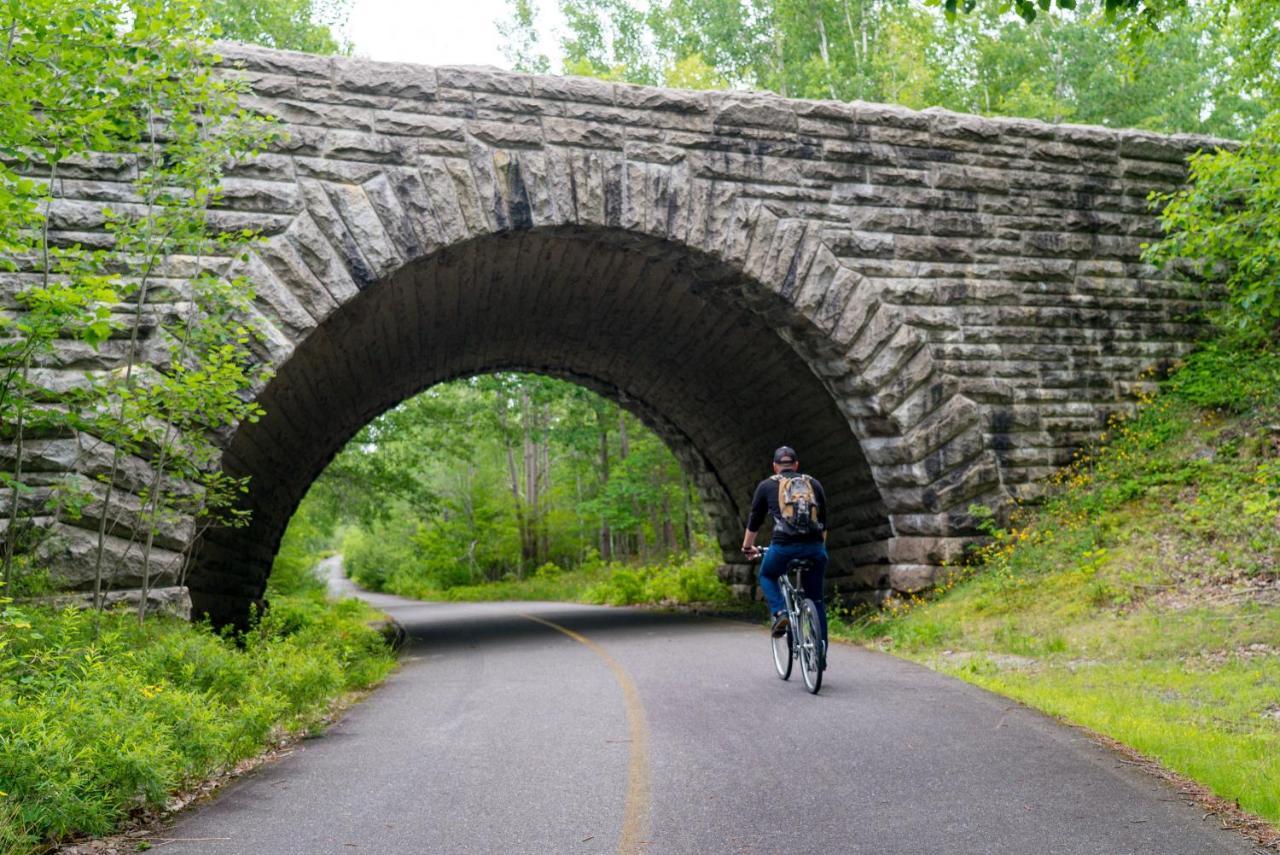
x=96, y=729
x=681, y=580
x=1142, y=598
x=1208, y=723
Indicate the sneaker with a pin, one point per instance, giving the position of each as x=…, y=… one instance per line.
x=781, y=622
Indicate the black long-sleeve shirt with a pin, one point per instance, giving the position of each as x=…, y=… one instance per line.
x=765, y=501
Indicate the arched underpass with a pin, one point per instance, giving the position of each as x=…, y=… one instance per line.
x=935, y=309
x=694, y=349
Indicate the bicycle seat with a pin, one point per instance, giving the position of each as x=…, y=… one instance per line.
x=800, y=564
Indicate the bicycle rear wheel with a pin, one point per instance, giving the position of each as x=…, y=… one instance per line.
x=810, y=647
x=782, y=657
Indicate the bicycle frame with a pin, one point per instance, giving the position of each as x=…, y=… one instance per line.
x=789, y=597
x=807, y=648
x=793, y=596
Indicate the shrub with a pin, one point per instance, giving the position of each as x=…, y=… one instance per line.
x=94, y=728
x=685, y=580
x=1225, y=227
x=372, y=558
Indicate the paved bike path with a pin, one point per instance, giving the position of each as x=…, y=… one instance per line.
x=510, y=729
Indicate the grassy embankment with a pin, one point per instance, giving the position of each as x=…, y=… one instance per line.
x=1143, y=599
x=95, y=729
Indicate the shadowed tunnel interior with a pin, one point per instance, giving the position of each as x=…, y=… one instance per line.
x=679, y=339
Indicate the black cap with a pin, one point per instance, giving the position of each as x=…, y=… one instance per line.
x=784, y=454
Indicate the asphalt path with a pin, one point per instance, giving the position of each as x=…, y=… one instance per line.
x=549, y=728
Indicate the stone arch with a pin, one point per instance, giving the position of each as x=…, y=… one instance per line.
x=723, y=366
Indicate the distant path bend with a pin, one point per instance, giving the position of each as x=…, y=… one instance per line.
x=501, y=734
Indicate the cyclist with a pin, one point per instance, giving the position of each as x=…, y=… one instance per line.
x=798, y=506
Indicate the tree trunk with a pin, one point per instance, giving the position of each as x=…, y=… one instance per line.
x=688, y=513
x=15, y=495
x=606, y=536
x=624, y=451
x=512, y=475
x=668, y=530
x=131, y=359
x=543, y=470
x=825, y=51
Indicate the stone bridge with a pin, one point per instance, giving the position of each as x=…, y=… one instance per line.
x=935, y=309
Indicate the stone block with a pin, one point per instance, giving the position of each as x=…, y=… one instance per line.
x=582, y=89
x=945, y=123
x=71, y=555
x=396, y=79
x=754, y=110
x=579, y=133
x=419, y=125
x=173, y=601
x=484, y=78
x=282, y=303
x=910, y=578
x=665, y=100
x=237, y=55
x=919, y=550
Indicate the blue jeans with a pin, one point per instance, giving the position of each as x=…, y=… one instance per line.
x=775, y=564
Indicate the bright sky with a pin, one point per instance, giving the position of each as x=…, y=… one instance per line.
x=435, y=32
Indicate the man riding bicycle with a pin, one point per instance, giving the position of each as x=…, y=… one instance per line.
x=798, y=507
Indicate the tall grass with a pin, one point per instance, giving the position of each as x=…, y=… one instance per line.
x=94, y=729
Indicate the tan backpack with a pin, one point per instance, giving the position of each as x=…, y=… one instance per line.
x=797, y=504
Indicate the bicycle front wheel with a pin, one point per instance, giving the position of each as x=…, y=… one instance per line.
x=782, y=657
x=810, y=647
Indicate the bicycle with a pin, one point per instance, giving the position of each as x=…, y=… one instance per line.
x=803, y=639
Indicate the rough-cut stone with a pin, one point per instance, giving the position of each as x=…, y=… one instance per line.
x=174, y=601
x=933, y=307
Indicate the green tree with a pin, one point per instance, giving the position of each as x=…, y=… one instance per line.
x=520, y=38
x=522, y=471
x=79, y=75
x=1081, y=64
x=132, y=80
x=1225, y=228
x=303, y=25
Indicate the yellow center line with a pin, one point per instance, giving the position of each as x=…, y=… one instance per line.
x=635, y=814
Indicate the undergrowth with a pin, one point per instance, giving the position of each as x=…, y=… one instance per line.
x=93, y=729
x=681, y=580
x=1142, y=598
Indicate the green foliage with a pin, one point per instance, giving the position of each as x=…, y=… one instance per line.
x=1075, y=65
x=308, y=538
x=1133, y=600
x=1149, y=12
x=1223, y=377
x=95, y=728
x=489, y=478
x=1225, y=229
x=302, y=25
x=383, y=560
x=520, y=38
x=679, y=580
x=1207, y=724
x=129, y=80
x=684, y=580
